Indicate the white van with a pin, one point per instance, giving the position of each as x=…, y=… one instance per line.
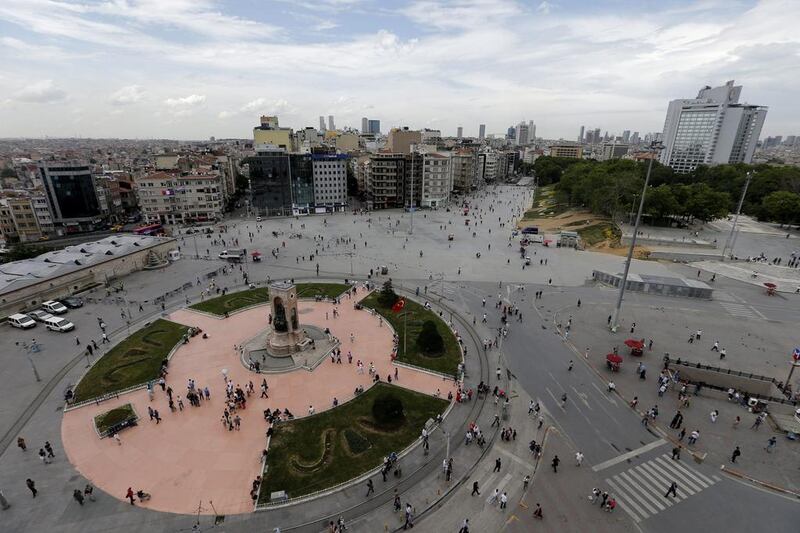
x=21, y=321
x=57, y=323
x=54, y=307
x=237, y=254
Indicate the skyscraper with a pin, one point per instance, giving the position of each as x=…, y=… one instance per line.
x=580, y=137
x=626, y=136
x=374, y=126
x=481, y=132
x=522, y=134
x=531, y=131
x=364, y=125
x=460, y=132
x=596, y=137
x=331, y=126
x=713, y=128
x=321, y=123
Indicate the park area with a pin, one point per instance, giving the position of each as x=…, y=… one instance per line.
x=234, y=301
x=320, y=451
x=409, y=323
x=134, y=361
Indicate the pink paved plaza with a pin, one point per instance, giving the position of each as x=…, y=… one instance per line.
x=190, y=456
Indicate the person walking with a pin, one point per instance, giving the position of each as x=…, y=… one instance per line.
x=676, y=453
x=78, y=496
x=21, y=444
x=556, y=461
x=49, y=448
x=494, y=497
x=409, y=517
x=771, y=443
x=370, y=487
x=736, y=453
x=497, y=464
x=537, y=513
x=88, y=492
x=129, y=495
x=32, y=486
x=464, y=526
x=503, y=500
x=673, y=489
x=475, y=489
x=578, y=458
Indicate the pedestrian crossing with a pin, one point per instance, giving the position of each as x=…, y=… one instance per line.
x=741, y=310
x=640, y=490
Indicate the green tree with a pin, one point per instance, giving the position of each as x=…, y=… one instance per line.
x=707, y=204
x=430, y=341
x=387, y=297
x=660, y=202
x=781, y=206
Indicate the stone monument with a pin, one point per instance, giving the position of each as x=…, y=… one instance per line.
x=286, y=336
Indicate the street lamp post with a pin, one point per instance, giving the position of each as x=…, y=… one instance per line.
x=732, y=237
x=654, y=148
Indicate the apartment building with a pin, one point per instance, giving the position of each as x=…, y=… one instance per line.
x=330, y=181
x=174, y=199
x=573, y=151
x=18, y=222
x=437, y=180
x=464, y=165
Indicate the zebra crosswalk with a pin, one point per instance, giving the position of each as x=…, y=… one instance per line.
x=640, y=490
x=741, y=310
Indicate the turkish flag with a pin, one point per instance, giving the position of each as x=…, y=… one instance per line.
x=399, y=305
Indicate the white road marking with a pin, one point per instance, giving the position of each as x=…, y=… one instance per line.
x=625, y=456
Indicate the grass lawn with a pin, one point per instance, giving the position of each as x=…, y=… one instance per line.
x=133, y=361
x=447, y=362
x=599, y=232
x=313, y=453
x=232, y=301
x=108, y=419
x=545, y=204
x=238, y=300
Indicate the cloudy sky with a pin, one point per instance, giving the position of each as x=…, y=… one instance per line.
x=189, y=69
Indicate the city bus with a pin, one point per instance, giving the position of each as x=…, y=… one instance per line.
x=151, y=229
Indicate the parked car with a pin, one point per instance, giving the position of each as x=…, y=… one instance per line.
x=57, y=323
x=19, y=320
x=40, y=315
x=54, y=307
x=73, y=302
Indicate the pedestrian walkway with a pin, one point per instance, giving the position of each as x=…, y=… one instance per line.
x=741, y=310
x=640, y=490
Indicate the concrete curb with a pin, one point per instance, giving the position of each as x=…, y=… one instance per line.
x=765, y=484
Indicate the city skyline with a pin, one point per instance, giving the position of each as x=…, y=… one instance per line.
x=190, y=70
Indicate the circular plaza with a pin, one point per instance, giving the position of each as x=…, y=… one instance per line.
x=314, y=426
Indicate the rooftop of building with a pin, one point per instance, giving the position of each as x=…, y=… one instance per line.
x=18, y=274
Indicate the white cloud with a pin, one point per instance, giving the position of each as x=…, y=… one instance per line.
x=259, y=106
x=464, y=61
x=128, y=95
x=186, y=101
x=41, y=92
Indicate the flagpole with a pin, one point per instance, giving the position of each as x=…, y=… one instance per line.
x=405, y=332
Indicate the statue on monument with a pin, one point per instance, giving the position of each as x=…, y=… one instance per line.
x=279, y=321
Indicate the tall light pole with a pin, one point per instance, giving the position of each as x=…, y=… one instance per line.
x=654, y=148
x=731, y=240
x=411, y=230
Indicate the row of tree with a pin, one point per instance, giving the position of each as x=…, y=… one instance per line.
x=613, y=187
